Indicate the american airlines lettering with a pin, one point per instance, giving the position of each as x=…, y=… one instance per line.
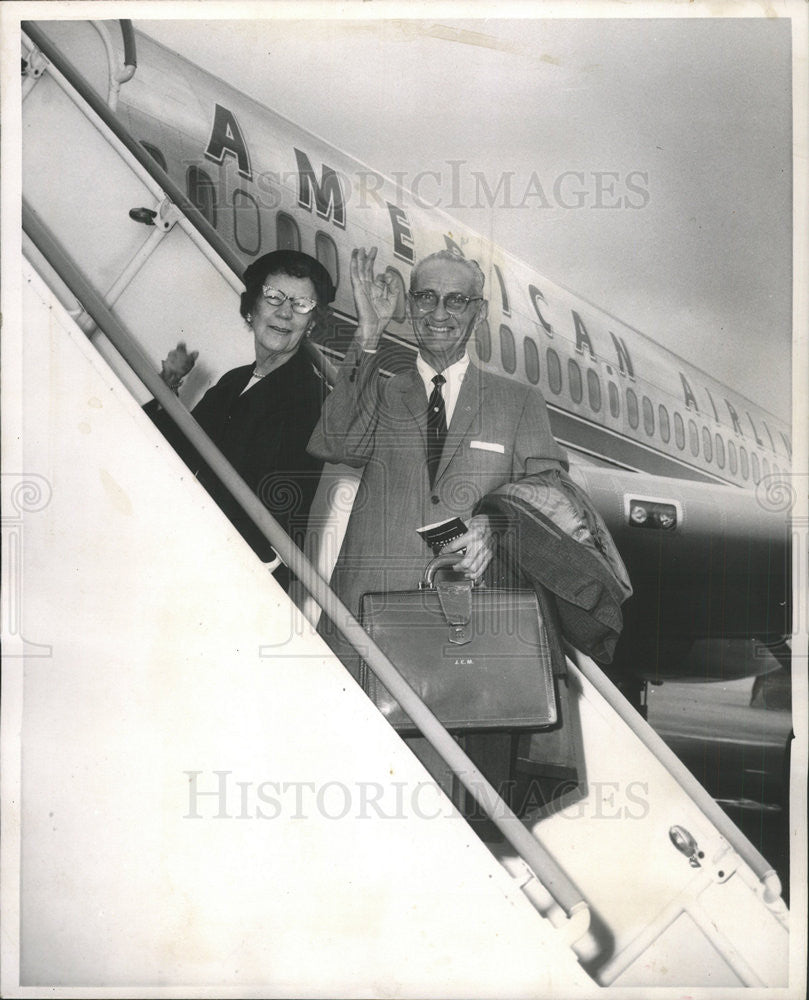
x=327, y=197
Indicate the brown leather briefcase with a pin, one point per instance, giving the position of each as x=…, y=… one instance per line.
x=479, y=658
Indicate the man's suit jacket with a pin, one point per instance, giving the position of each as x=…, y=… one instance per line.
x=499, y=433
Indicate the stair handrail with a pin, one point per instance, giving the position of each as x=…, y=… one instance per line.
x=175, y=193
x=546, y=869
x=671, y=762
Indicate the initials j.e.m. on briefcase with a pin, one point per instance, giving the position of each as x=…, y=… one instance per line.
x=478, y=658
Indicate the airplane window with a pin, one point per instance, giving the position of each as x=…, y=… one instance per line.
x=503, y=293
x=531, y=355
x=743, y=462
x=246, y=222
x=201, y=191
x=648, y=416
x=554, y=371
x=615, y=399
x=720, y=451
x=755, y=467
x=155, y=154
x=401, y=296
x=326, y=253
x=679, y=431
x=593, y=390
x=765, y=465
x=632, y=408
x=508, y=350
x=483, y=341
x=663, y=420
x=574, y=377
x=693, y=438
x=287, y=234
x=707, y=444
x=734, y=465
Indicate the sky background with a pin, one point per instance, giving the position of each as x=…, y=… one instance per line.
x=696, y=114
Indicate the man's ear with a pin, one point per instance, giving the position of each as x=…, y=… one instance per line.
x=481, y=314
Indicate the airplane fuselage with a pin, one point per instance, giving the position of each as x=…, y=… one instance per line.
x=657, y=441
x=614, y=395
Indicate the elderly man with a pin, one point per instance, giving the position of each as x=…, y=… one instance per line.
x=433, y=441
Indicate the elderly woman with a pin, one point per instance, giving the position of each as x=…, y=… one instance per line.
x=262, y=415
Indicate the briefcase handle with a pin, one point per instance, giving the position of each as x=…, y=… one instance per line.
x=446, y=561
x=454, y=596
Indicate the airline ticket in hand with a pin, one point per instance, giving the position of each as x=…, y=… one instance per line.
x=439, y=534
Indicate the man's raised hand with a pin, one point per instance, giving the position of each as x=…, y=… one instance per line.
x=374, y=297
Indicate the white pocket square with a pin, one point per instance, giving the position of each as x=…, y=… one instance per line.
x=488, y=446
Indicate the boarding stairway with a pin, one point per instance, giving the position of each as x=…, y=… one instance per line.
x=636, y=879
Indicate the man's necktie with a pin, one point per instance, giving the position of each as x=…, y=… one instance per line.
x=436, y=427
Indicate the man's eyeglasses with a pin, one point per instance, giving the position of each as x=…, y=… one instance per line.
x=427, y=300
x=301, y=305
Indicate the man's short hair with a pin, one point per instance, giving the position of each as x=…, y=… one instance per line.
x=453, y=255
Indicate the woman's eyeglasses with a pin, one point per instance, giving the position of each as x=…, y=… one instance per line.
x=427, y=300
x=275, y=297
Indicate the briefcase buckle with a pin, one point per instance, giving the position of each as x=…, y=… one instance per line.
x=460, y=634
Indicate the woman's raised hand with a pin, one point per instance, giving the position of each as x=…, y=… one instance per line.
x=374, y=297
x=177, y=365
